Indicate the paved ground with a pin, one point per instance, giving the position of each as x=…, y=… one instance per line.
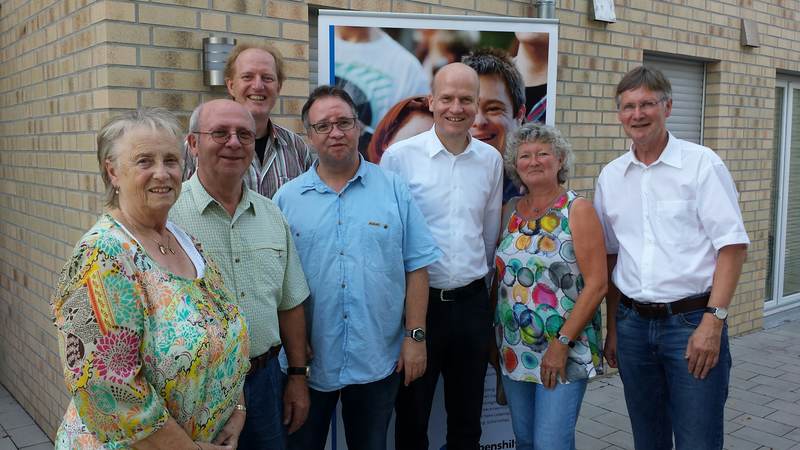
x=762, y=412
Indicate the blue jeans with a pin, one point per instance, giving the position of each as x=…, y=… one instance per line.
x=544, y=418
x=366, y=411
x=662, y=396
x=263, y=395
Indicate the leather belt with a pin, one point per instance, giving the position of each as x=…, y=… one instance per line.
x=451, y=295
x=259, y=362
x=662, y=310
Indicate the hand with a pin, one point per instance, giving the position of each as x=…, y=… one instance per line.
x=702, y=351
x=295, y=402
x=413, y=360
x=228, y=436
x=610, y=349
x=554, y=364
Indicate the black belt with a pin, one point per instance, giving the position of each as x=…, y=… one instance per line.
x=661, y=310
x=259, y=362
x=451, y=295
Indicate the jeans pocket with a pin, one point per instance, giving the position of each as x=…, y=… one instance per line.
x=622, y=312
x=691, y=319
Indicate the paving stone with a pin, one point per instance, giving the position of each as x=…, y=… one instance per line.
x=782, y=405
x=617, y=421
x=620, y=439
x=761, y=369
x=585, y=442
x=44, y=446
x=763, y=424
x=29, y=435
x=751, y=397
x=763, y=438
x=734, y=443
x=794, y=435
x=588, y=410
x=593, y=428
x=775, y=392
x=15, y=418
x=750, y=408
x=791, y=420
x=6, y=444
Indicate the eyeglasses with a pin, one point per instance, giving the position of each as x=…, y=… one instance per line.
x=222, y=137
x=344, y=124
x=644, y=107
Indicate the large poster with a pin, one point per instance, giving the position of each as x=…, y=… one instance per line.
x=386, y=62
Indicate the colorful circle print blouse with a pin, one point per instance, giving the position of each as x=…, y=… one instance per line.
x=539, y=282
x=140, y=344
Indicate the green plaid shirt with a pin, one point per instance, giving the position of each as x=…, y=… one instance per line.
x=255, y=253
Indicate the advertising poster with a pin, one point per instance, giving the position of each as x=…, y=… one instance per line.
x=386, y=60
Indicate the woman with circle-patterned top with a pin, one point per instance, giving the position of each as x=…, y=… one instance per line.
x=551, y=278
x=155, y=353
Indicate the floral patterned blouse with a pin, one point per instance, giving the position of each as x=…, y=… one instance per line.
x=539, y=282
x=140, y=344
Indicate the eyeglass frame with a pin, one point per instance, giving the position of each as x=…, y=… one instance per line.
x=228, y=136
x=337, y=124
x=643, y=106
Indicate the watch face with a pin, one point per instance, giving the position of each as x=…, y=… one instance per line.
x=418, y=334
x=564, y=340
x=721, y=313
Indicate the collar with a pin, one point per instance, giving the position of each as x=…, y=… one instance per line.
x=435, y=146
x=671, y=155
x=202, y=199
x=312, y=181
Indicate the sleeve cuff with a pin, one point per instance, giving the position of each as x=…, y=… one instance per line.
x=731, y=239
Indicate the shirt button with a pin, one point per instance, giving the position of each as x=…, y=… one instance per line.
x=345, y=317
x=242, y=294
x=342, y=285
x=341, y=253
x=236, y=260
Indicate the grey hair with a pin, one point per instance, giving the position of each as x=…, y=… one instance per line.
x=543, y=134
x=194, y=119
x=156, y=119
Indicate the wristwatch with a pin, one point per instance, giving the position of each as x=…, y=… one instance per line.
x=565, y=340
x=303, y=370
x=417, y=334
x=719, y=313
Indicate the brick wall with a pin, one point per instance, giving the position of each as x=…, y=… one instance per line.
x=68, y=65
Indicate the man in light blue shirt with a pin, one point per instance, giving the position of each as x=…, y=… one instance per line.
x=364, y=247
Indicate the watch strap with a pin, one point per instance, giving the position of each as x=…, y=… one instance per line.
x=302, y=370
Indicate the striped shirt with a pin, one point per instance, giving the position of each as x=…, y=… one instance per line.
x=286, y=157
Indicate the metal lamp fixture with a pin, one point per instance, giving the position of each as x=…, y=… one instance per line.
x=546, y=9
x=215, y=53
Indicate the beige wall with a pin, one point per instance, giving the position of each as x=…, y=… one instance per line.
x=68, y=65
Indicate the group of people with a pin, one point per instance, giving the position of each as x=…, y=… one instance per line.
x=199, y=314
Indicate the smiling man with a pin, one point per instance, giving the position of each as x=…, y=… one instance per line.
x=676, y=245
x=254, y=75
x=250, y=241
x=501, y=103
x=457, y=181
x=365, y=247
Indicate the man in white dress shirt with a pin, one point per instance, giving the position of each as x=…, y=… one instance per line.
x=457, y=182
x=676, y=245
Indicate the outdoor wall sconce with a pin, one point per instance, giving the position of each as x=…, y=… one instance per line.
x=215, y=53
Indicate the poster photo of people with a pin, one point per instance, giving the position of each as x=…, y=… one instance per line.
x=387, y=62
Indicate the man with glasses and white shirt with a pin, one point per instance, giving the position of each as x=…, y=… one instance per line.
x=365, y=249
x=676, y=245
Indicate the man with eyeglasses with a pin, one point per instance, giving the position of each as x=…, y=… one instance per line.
x=365, y=247
x=676, y=245
x=248, y=238
x=254, y=75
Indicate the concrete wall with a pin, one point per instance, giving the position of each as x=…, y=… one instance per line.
x=66, y=66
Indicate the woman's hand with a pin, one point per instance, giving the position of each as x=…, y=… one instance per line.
x=228, y=437
x=554, y=364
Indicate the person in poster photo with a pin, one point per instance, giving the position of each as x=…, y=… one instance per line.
x=531, y=59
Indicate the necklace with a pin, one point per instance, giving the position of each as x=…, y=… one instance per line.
x=547, y=205
x=164, y=248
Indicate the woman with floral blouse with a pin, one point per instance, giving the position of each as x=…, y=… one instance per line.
x=154, y=351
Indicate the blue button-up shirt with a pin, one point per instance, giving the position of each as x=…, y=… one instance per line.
x=355, y=247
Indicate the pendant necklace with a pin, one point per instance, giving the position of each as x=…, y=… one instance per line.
x=164, y=248
x=547, y=205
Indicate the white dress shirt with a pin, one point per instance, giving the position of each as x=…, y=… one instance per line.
x=667, y=221
x=460, y=197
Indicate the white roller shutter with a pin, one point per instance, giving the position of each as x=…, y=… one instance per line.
x=688, y=80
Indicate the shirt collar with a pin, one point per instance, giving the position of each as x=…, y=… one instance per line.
x=671, y=155
x=312, y=180
x=435, y=145
x=202, y=199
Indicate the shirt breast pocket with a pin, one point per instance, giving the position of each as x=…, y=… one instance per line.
x=268, y=261
x=382, y=242
x=677, y=222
